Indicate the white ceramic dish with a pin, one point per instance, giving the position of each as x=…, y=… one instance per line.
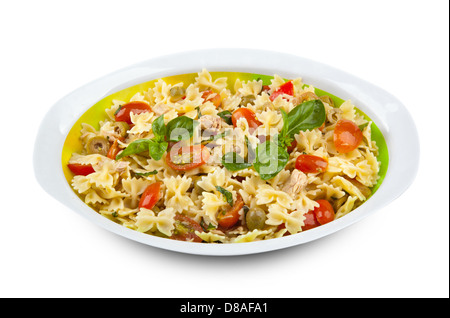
x=385, y=110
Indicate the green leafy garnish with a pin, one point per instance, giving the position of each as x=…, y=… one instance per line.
x=228, y=196
x=158, y=145
x=135, y=147
x=308, y=115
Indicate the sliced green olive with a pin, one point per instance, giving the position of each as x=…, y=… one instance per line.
x=255, y=219
x=177, y=92
x=327, y=99
x=121, y=128
x=248, y=99
x=98, y=145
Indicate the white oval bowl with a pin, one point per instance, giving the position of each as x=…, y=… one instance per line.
x=385, y=110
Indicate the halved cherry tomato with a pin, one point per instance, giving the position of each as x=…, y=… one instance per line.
x=287, y=88
x=324, y=212
x=150, y=196
x=136, y=107
x=310, y=222
x=80, y=169
x=249, y=115
x=210, y=96
x=347, y=136
x=185, y=228
x=113, y=150
x=311, y=164
x=187, y=158
x=231, y=216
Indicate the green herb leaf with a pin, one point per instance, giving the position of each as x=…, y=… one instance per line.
x=228, y=196
x=137, y=146
x=270, y=159
x=199, y=113
x=157, y=149
x=159, y=128
x=251, y=154
x=226, y=116
x=118, y=110
x=308, y=115
x=234, y=162
x=180, y=128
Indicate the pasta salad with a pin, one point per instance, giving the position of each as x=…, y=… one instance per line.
x=217, y=163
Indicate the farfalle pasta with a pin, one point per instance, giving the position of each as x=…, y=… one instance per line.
x=224, y=159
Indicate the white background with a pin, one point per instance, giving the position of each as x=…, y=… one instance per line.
x=49, y=48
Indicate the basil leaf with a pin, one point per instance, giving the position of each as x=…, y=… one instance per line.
x=146, y=174
x=226, y=116
x=234, y=162
x=180, y=128
x=270, y=159
x=159, y=128
x=251, y=155
x=227, y=195
x=157, y=149
x=137, y=146
x=308, y=115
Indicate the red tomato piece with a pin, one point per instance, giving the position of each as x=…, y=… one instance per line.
x=150, y=196
x=287, y=88
x=311, y=164
x=231, y=217
x=324, y=212
x=80, y=169
x=347, y=136
x=292, y=147
x=187, y=158
x=310, y=222
x=212, y=97
x=249, y=115
x=137, y=107
x=113, y=150
x=185, y=228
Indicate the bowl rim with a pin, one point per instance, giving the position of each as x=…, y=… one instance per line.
x=389, y=114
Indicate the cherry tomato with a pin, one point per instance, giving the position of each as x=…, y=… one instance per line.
x=347, y=136
x=287, y=88
x=231, y=216
x=324, y=212
x=212, y=97
x=113, y=150
x=80, y=169
x=248, y=114
x=310, y=222
x=311, y=164
x=185, y=228
x=137, y=107
x=187, y=158
x=150, y=196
